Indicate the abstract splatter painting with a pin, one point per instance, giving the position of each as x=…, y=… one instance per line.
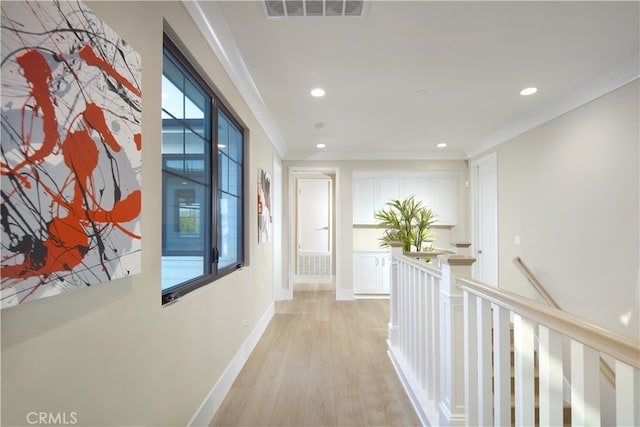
x=70, y=153
x=264, y=206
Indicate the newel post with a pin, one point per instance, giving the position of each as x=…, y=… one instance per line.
x=461, y=248
x=395, y=249
x=451, y=407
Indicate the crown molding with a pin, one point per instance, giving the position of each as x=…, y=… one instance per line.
x=372, y=155
x=216, y=31
x=608, y=82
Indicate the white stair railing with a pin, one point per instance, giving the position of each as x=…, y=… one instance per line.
x=426, y=333
x=607, y=371
x=444, y=331
x=588, y=342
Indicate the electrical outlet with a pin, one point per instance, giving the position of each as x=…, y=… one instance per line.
x=245, y=323
x=516, y=240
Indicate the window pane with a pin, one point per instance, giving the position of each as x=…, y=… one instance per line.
x=184, y=235
x=235, y=178
x=223, y=134
x=223, y=173
x=195, y=102
x=172, y=136
x=230, y=169
x=186, y=180
x=230, y=239
x=172, y=95
x=194, y=143
x=235, y=145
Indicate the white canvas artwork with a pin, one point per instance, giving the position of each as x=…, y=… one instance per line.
x=71, y=150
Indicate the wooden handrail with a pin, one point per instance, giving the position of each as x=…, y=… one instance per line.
x=535, y=282
x=607, y=370
x=620, y=346
x=428, y=254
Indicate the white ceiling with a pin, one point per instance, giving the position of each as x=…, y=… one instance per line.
x=408, y=75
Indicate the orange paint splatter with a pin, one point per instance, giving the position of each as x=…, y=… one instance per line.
x=91, y=58
x=137, y=138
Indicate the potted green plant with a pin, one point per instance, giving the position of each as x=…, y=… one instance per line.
x=407, y=221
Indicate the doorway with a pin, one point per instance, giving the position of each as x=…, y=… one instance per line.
x=312, y=260
x=484, y=214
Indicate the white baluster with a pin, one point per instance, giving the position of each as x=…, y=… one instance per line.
x=411, y=319
x=550, y=372
x=429, y=336
x=406, y=307
x=525, y=392
x=414, y=318
x=585, y=385
x=403, y=310
x=485, y=404
x=422, y=330
x=435, y=354
x=470, y=360
x=627, y=395
x=502, y=366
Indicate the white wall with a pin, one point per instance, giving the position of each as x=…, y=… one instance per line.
x=570, y=189
x=348, y=238
x=112, y=354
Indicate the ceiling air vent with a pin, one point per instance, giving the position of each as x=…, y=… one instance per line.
x=291, y=8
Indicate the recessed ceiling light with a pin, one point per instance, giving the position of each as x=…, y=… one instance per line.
x=317, y=92
x=441, y=145
x=528, y=91
x=321, y=145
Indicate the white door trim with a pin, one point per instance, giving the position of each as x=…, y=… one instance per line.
x=291, y=173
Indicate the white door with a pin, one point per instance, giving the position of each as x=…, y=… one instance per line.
x=484, y=175
x=314, y=227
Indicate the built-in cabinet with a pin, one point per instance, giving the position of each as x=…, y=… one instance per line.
x=437, y=190
x=371, y=272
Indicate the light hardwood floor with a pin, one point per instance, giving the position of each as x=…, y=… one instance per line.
x=320, y=362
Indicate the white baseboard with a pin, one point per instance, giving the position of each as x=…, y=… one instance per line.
x=287, y=294
x=212, y=402
x=344, y=294
x=371, y=296
x=426, y=410
x=314, y=279
x=283, y=294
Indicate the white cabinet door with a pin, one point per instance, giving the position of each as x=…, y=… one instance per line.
x=365, y=273
x=385, y=273
x=370, y=194
x=388, y=189
x=364, y=200
x=371, y=272
x=416, y=187
x=437, y=190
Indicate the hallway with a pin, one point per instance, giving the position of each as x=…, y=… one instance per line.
x=320, y=362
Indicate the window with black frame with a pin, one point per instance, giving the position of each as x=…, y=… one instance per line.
x=202, y=181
